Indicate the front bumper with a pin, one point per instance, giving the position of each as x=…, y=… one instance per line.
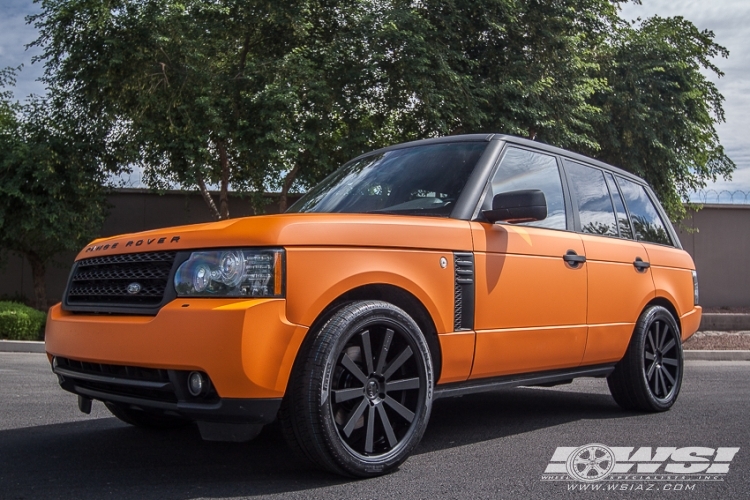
x=246, y=348
x=165, y=397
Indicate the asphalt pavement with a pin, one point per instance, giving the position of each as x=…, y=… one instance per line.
x=493, y=445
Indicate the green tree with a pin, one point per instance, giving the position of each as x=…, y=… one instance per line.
x=228, y=93
x=255, y=95
x=51, y=175
x=660, y=110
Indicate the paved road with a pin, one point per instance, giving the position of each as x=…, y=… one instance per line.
x=495, y=445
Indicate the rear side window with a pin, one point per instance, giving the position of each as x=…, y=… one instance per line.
x=623, y=222
x=522, y=169
x=591, y=196
x=646, y=220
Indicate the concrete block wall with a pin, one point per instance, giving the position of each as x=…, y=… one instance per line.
x=720, y=247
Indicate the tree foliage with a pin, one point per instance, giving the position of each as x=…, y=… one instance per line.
x=255, y=94
x=661, y=110
x=52, y=173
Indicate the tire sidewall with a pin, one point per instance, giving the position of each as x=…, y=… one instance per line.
x=657, y=313
x=358, y=317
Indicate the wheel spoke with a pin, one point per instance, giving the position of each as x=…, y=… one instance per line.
x=400, y=409
x=350, y=365
x=601, y=470
x=402, y=385
x=651, y=341
x=354, y=418
x=669, y=376
x=649, y=356
x=670, y=361
x=658, y=334
x=664, y=335
x=650, y=372
x=392, y=441
x=384, y=350
x=367, y=348
x=653, y=383
x=342, y=395
x=669, y=345
x=660, y=380
x=370, y=429
x=396, y=364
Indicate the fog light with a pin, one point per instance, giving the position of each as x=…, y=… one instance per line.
x=197, y=383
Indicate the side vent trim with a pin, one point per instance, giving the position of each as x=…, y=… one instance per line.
x=463, y=299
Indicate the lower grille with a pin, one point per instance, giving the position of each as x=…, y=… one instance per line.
x=107, y=381
x=137, y=382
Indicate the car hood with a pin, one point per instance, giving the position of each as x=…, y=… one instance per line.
x=353, y=230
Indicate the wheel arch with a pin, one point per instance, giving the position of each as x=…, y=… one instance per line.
x=666, y=304
x=400, y=298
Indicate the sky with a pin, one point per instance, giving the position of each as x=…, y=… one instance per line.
x=729, y=20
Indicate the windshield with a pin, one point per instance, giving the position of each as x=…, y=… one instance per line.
x=420, y=180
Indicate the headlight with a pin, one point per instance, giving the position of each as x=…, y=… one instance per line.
x=241, y=272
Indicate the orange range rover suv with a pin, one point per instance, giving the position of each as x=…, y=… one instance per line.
x=423, y=270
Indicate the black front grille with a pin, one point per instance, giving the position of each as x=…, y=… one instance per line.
x=138, y=280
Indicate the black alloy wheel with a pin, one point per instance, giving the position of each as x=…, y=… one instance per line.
x=649, y=377
x=360, y=398
x=662, y=366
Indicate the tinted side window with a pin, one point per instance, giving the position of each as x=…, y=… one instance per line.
x=521, y=169
x=646, y=221
x=622, y=216
x=592, y=198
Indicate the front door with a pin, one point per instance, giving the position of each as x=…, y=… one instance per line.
x=530, y=301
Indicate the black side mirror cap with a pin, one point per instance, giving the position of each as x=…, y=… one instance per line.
x=527, y=205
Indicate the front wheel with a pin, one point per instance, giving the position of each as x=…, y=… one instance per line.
x=361, y=392
x=649, y=377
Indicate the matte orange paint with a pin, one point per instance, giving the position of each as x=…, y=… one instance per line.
x=531, y=305
x=458, y=355
x=240, y=344
x=617, y=293
x=533, y=311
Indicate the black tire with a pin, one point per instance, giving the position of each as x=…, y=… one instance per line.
x=649, y=377
x=140, y=418
x=361, y=391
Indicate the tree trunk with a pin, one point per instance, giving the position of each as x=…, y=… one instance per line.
x=288, y=181
x=37, y=275
x=224, y=188
x=532, y=134
x=207, y=198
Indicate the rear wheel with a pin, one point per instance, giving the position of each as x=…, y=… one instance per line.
x=140, y=418
x=649, y=377
x=361, y=392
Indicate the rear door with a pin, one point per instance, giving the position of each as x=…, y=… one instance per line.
x=671, y=267
x=619, y=276
x=530, y=302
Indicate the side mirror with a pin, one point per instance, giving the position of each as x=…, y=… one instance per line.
x=518, y=206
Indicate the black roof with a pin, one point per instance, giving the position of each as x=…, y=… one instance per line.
x=512, y=140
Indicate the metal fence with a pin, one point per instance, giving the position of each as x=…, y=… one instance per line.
x=724, y=196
